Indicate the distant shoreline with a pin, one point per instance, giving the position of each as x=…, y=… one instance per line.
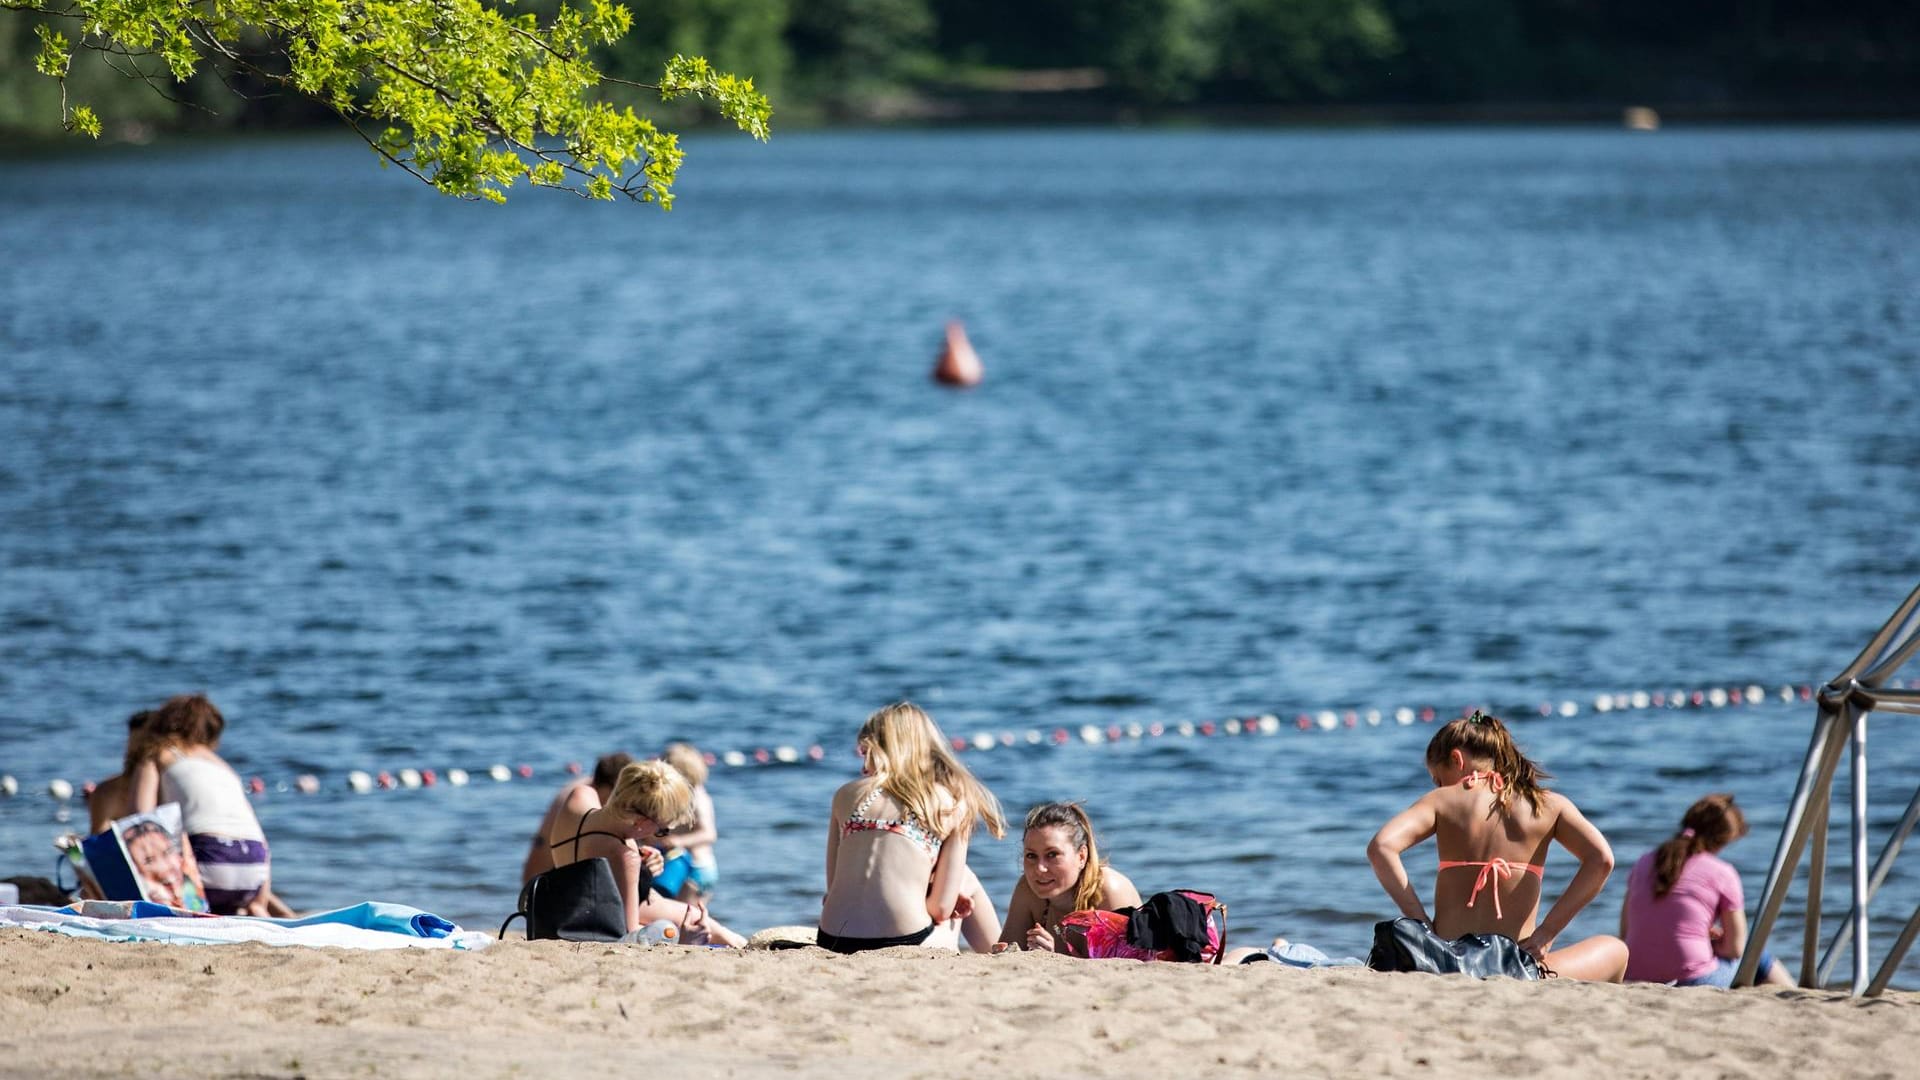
x=1075, y=109
x=1092, y=109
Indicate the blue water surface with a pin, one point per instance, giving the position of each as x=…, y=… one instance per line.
x=1274, y=421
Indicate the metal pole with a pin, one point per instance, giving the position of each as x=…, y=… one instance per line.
x=1816, y=877
x=1900, y=701
x=1881, y=867
x=1898, y=954
x=1885, y=634
x=1861, y=954
x=1816, y=776
x=1894, y=655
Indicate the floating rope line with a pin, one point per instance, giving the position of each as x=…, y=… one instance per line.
x=363, y=781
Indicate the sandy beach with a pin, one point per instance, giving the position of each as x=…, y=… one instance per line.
x=75, y=1008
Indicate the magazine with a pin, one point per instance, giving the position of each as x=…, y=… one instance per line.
x=145, y=856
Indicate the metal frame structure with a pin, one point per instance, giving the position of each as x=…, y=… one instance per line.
x=1841, y=724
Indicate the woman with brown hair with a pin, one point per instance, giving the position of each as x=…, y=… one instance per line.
x=1684, y=916
x=1493, y=820
x=173, y=758
x=1061, y=872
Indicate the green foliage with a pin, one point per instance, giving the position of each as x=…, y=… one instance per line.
x=1154, y=50
x=853, y=49
x=736, y=35
x=1292, y=49
x=464, y=94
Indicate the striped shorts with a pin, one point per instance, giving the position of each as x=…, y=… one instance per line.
x=233, y=871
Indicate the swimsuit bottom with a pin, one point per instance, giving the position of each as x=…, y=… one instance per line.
x=682, y=869
x=846, y=946
x=673, y=875
x=234, y=871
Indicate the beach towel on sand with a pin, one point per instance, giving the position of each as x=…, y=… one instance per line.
x=362, y=926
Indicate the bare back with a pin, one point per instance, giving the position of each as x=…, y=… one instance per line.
x=880, y=864
x=1500, y=848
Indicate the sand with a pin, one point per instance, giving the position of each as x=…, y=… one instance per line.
x=73, y=1008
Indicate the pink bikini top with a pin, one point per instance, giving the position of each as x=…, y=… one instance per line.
x=1492, y=871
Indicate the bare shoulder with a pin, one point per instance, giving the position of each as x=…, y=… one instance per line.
x=1554, y=806
x=1118, y=890
x=578, y=799
x=850, y=793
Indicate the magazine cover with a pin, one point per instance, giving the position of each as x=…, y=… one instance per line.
x=145, y=857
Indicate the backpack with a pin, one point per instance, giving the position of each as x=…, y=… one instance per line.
x=1405, y=944
x=1178, y=926
x=576, y=902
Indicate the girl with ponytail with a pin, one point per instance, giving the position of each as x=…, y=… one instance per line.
x=1061, y=871
x=1493, y=820
x=1684, y=916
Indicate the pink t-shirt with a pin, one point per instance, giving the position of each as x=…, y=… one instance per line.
x=1667, y=936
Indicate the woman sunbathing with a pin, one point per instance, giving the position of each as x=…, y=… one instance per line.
x=647, y=801
x=1061, y=872
x=1493, y=823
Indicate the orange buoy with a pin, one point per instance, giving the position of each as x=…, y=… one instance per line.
x=958, y=365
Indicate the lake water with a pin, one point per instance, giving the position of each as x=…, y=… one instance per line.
x=1273, y=422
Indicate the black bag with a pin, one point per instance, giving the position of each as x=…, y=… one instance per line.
x=576, y=902
x=1181, y=923
x=1410, y=945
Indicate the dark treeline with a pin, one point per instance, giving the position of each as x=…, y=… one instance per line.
x=863, y=58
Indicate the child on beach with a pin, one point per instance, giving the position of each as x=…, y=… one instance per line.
x=172, y=758
x=1061, y=872
x=691, y=871
x=579, y=796
x=1493, y=822
x=647, y=801
x=1684, y=916
x=897, y=840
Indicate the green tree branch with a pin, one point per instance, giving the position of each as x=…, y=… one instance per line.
x=464, y=95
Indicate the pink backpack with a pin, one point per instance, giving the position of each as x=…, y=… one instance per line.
x=1113, y=935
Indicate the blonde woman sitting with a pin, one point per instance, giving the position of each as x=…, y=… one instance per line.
x=648, y=800
x=897, y=843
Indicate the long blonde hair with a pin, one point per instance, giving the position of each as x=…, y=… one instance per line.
x=1073, y=818
x=909, y=758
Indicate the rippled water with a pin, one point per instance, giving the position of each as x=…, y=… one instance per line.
x=1274, y=421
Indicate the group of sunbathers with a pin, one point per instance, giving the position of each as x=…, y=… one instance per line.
x=896, y=859
x=897, y=844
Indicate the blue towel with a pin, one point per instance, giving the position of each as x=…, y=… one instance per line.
x=374, y=915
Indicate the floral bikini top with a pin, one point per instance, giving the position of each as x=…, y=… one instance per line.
x=909, y=826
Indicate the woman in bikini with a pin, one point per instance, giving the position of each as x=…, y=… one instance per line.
x=897, y=844
x=648, y=800
x=1061, y=872
x=1493, y=822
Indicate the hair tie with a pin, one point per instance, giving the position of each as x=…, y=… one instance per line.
x=1688, y=833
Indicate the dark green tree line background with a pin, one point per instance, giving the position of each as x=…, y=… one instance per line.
x=832, y=59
